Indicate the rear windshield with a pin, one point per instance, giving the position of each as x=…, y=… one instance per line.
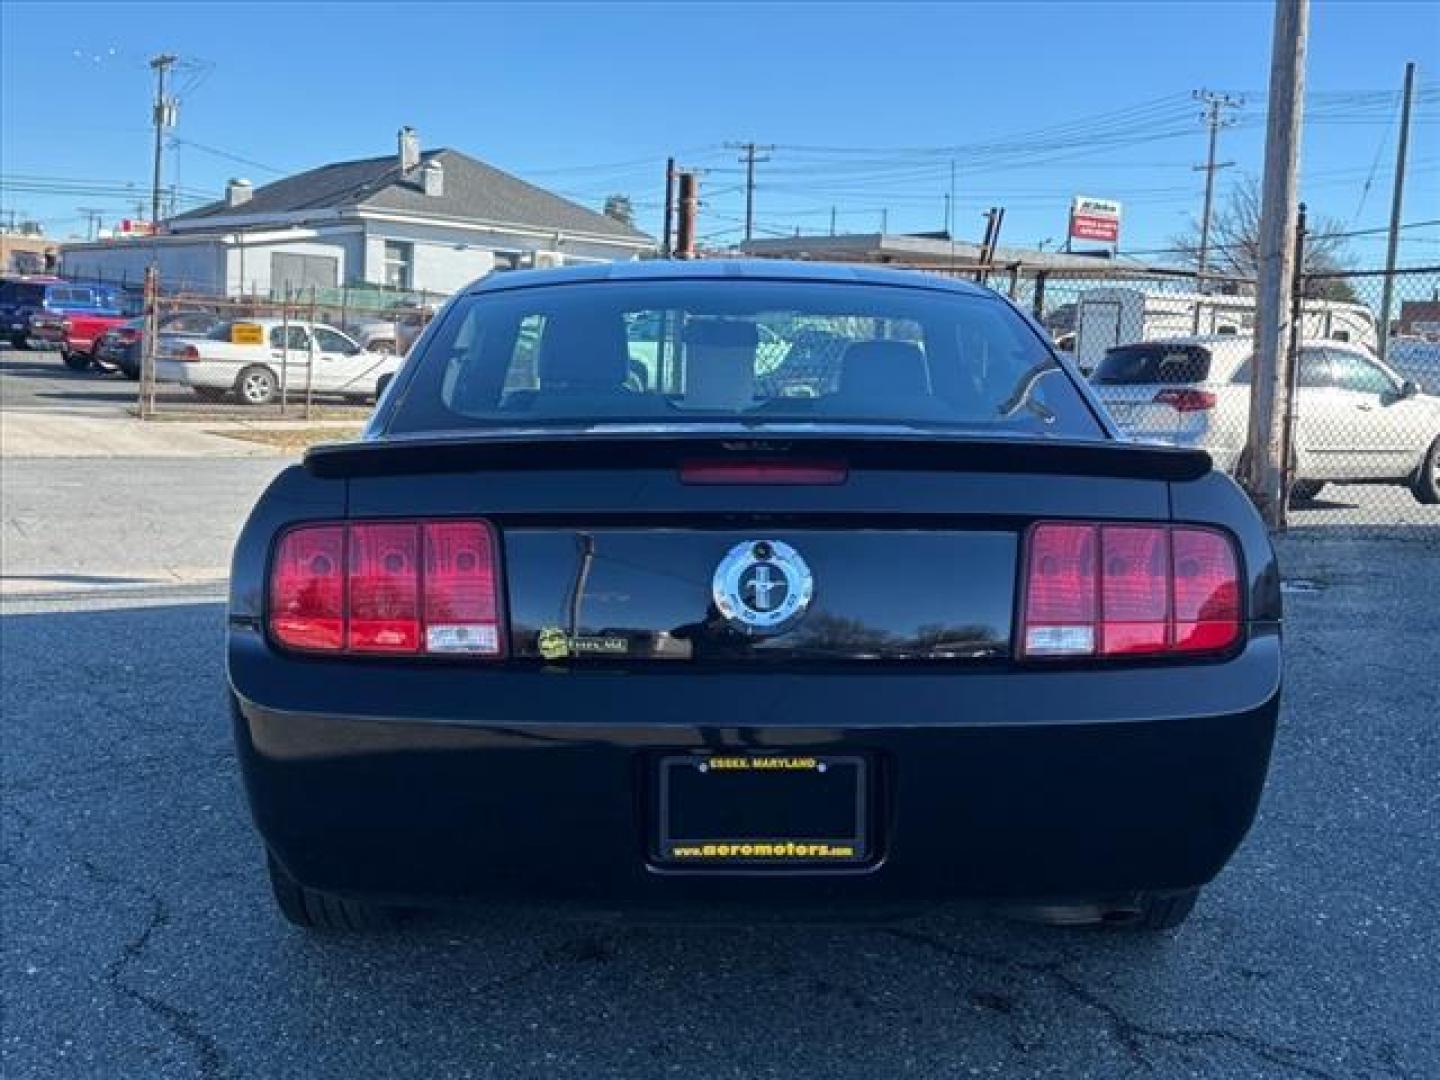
x=746, y=352
x=1157, y=363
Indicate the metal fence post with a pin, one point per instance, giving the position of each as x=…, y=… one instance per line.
x=148, y=345
x=285, y=350
x=1292, y=373
x=310, y=367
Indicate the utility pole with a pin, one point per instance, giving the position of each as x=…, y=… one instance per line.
x=1215, y=118
x=665, y=247
x=92, y=220
x=1265, y=449
x=750, y=158
x=832, y=221
x=689, y=187
x=163, y=117
x=1397, y=201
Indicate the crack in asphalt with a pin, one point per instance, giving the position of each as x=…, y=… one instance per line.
x=1130, y=1034
x=183, y=1023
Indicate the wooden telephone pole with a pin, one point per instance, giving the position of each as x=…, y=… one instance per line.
x=1265, y=449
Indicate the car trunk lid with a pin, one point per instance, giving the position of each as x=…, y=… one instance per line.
x=900, y=548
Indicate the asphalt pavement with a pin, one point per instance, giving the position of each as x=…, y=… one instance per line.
x=140, y=941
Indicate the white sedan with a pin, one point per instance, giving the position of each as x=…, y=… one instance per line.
x=255, y=358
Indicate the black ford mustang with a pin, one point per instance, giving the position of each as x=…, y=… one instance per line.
x=781, y=586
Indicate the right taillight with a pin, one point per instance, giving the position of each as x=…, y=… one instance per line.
x=1187, y=400
x=388, y=588
x=1125, y=590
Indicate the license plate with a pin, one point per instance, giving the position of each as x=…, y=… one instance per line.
x=749, y=810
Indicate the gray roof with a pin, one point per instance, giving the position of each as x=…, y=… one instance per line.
x=473, y=191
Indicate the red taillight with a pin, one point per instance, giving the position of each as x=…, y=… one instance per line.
x=187, y=352
x=307, y=589
x=1118, y=590
x=1186, y=400
x=400, y=588
x=1207, y=591
x=384, y=584
x=129, y=337
x=763, y=472
x=462, y=588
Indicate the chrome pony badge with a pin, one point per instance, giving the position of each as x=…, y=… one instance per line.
x=762, y=587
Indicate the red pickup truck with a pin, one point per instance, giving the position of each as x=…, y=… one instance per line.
x=75, y=333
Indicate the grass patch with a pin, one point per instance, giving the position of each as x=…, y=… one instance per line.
x=293, y=438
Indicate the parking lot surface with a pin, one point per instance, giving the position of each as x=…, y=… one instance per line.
x=140, y=939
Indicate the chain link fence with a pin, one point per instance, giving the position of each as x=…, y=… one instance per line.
x=1170, y=357
x=304, y=354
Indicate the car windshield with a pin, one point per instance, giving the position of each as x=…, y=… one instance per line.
x=738, y=352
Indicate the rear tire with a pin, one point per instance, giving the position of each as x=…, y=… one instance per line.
x=1426, y=486
x=76, y=361
x=311, y=909
x=256, y=386
x=380, y=385
x=19, y=341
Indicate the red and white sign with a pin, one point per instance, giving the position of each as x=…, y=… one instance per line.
x=133, y=227
x=1095, y=219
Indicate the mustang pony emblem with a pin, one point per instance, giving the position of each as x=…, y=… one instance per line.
x=762, y=587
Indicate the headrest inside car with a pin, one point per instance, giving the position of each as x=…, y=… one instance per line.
x=887, y=369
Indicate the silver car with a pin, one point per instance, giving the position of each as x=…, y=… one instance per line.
x=1356, y=420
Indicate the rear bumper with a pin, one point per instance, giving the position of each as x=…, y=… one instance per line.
x=540, y=784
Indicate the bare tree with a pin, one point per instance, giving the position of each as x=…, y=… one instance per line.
x=1235, y=245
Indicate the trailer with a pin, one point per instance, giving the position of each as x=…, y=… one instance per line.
x=1121, y=315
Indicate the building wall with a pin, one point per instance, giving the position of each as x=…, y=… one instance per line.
x=446, y=259
x=249, y=262
x=194, y=265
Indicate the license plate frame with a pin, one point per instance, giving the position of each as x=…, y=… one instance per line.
x=843, y=782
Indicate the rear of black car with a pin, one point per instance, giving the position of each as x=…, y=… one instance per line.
x=621, y=619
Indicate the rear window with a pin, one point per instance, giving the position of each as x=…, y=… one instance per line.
x=1153, y=364
x=748, y=352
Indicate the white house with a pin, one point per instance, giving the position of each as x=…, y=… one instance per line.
x=430, y=221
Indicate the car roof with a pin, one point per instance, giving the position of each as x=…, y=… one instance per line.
x=725, y=269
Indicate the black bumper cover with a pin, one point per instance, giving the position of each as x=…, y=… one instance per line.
x=441, y=784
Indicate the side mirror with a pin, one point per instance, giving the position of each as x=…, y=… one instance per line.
x=1408, y=389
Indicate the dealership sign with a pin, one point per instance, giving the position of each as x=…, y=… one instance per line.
x=1094, y=219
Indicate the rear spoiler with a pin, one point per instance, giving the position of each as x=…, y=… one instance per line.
x=531, y=450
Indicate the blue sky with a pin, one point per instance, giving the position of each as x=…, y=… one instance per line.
x=867, y=105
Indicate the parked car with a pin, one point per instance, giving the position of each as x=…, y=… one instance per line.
x=932, y=631
x=254, y=358
x=120, y=347
x=395, y=333
x=1355, y=418
x=54, y=313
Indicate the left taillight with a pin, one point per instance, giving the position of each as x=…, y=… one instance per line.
x=393, y=588
x=1093, y=590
